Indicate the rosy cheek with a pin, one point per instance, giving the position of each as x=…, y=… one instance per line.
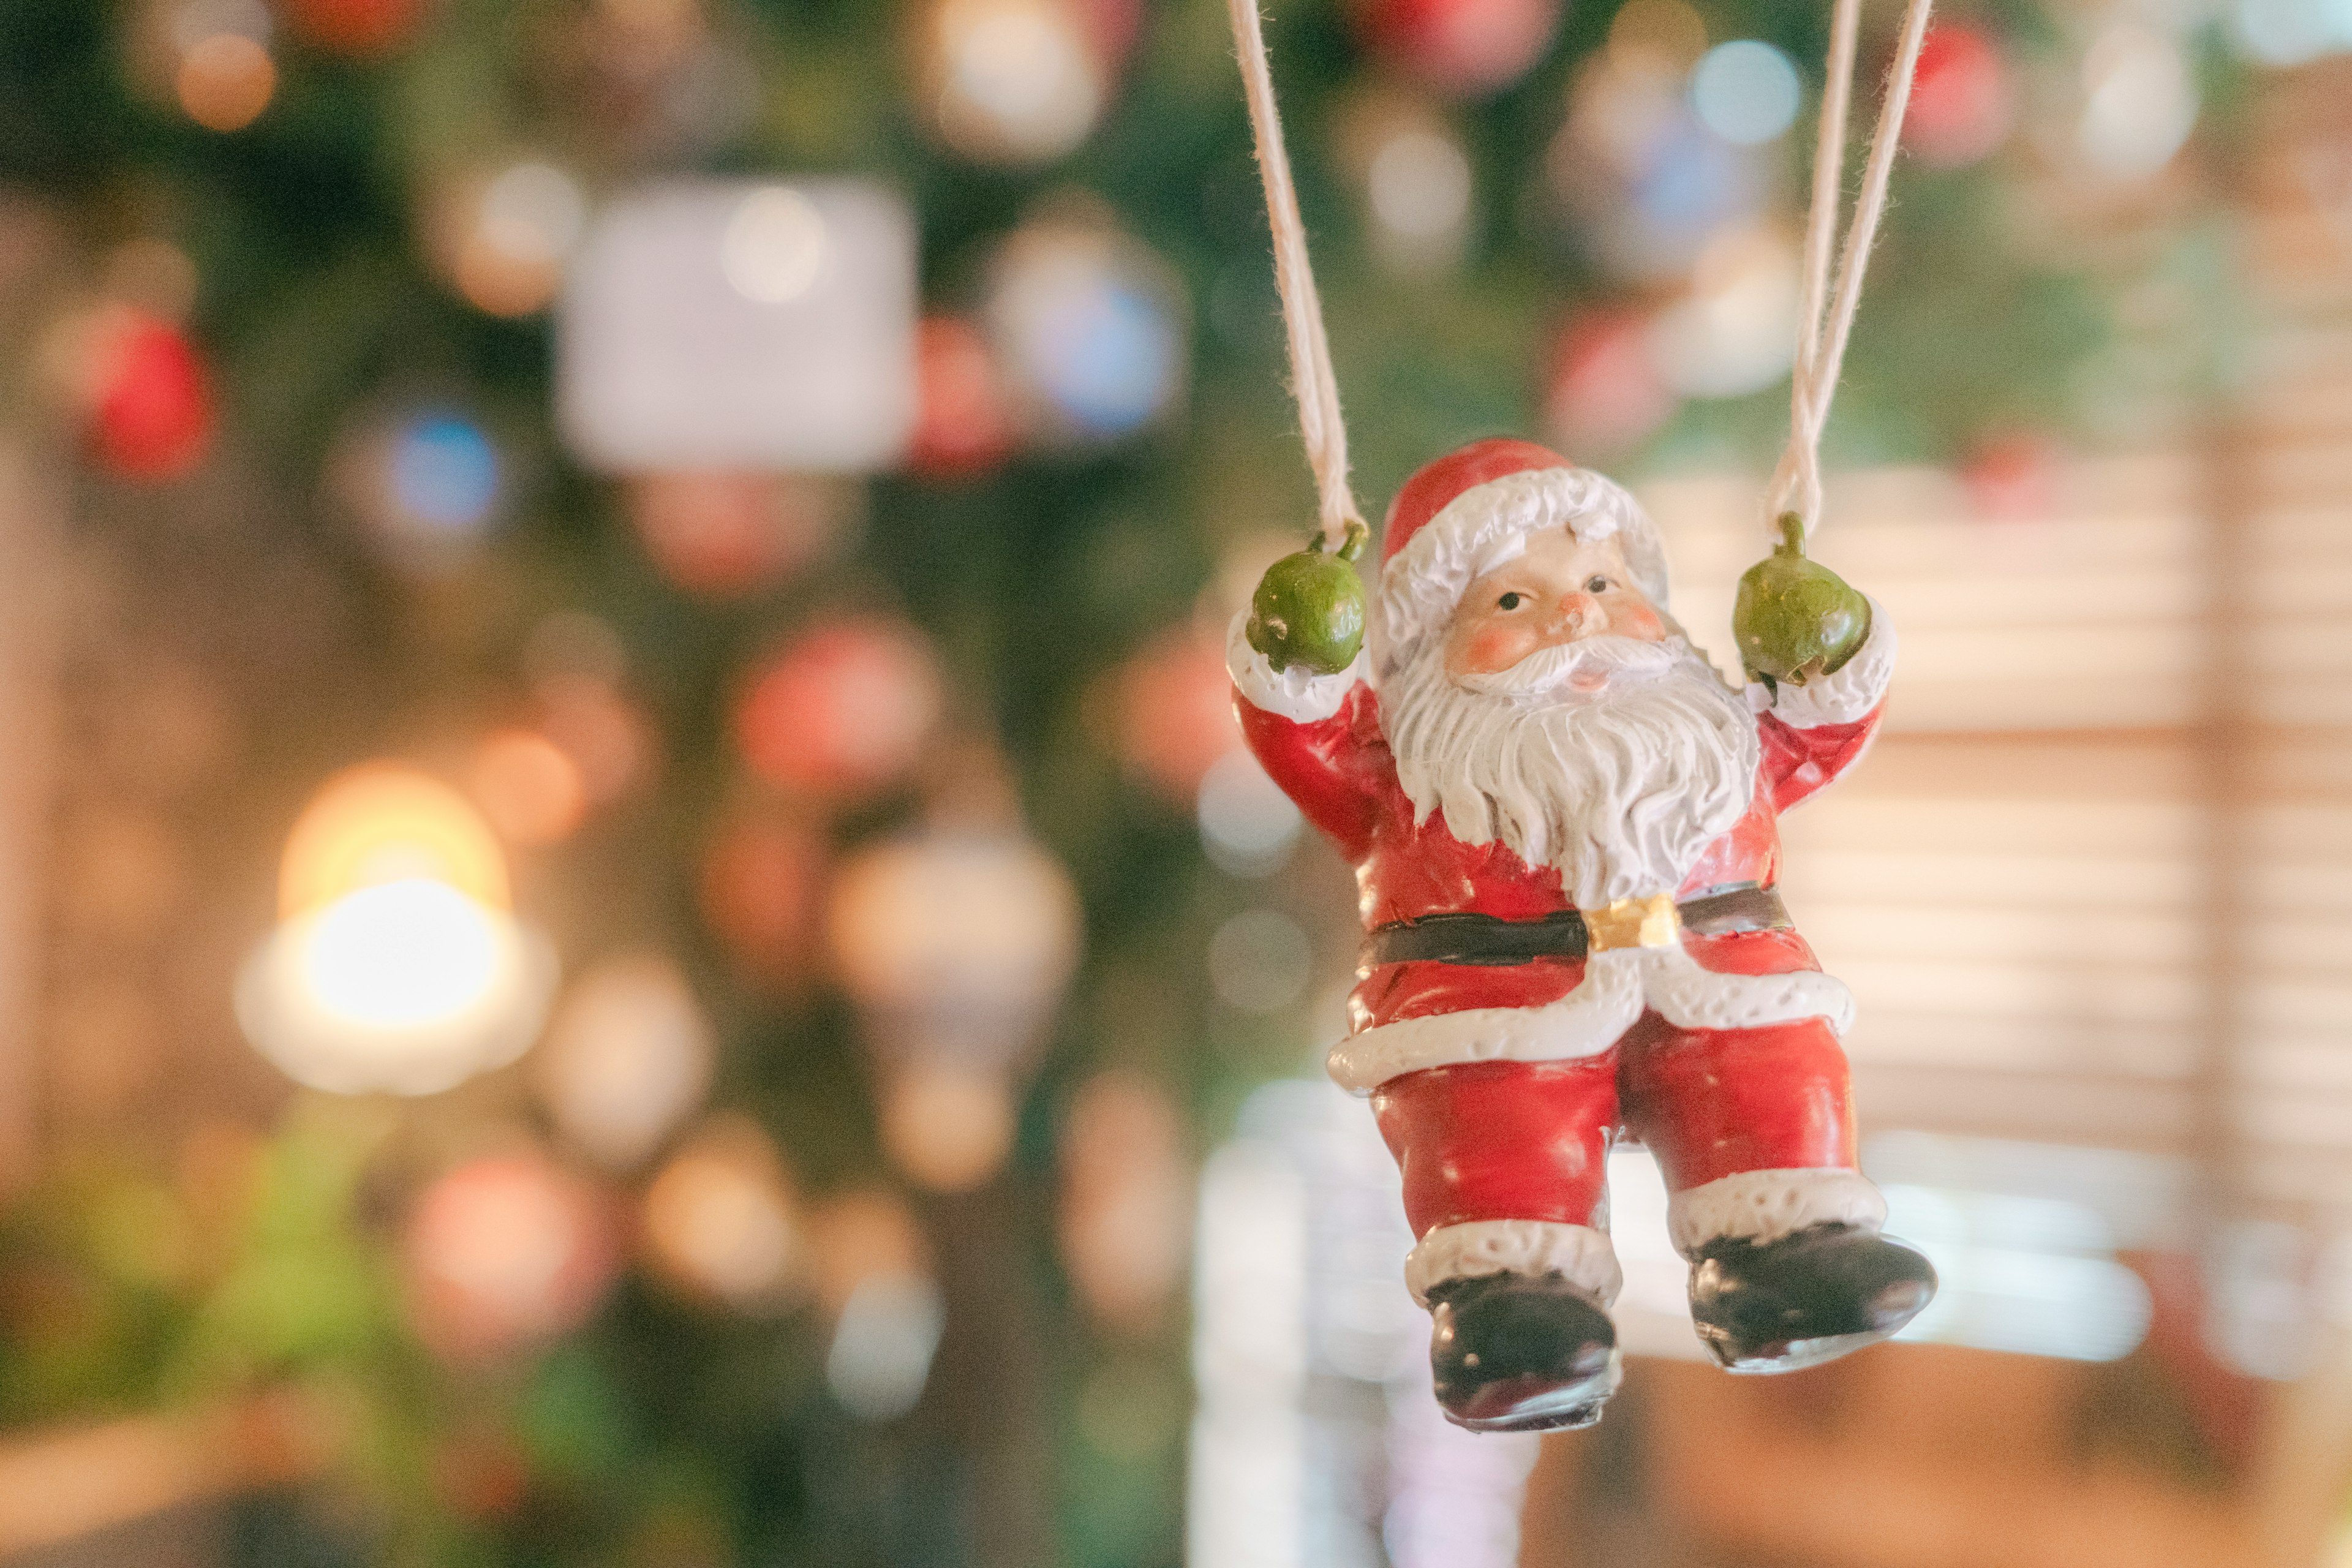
x=1495, y=648
x=1637, y=620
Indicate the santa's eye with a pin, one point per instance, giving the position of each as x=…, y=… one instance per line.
x=1596, y=584
x=1509, y=602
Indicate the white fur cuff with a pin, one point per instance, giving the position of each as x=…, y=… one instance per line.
x=1577, y=1253
x=1765, y=1205
x=1849, y=696
x=1297, y=694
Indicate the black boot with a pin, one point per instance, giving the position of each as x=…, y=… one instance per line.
x=1805, y=1298
x=1512, y=1353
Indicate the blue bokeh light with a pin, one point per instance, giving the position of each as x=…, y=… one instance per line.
x=1107, y=357
x=445, y=472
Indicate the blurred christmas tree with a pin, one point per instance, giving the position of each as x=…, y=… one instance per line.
x=839, y=1217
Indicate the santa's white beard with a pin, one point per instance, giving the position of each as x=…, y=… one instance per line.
x=1621, y=788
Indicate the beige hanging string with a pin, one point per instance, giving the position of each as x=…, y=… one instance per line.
x=1316, y=389
x=1826, y=320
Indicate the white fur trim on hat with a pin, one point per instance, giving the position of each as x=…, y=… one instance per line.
x=1845, y=698
x=1617, y=986
x=1577, y=1253
x=1765, y=1205
x=1487, y=525
x=1297, y=694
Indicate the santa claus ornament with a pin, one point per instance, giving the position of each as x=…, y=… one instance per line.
x=1563, y=822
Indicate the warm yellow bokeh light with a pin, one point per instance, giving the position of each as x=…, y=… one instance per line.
x=379, y=823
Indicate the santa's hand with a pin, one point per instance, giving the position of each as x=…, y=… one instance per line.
x=1796, y=618
x=1308, y=609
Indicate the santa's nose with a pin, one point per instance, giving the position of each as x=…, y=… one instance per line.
x=1581, y=615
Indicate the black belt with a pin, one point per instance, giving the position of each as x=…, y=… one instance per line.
x=1489, y=939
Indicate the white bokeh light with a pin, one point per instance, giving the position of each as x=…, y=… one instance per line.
x=400, y=955
x=774, y=246
x=2139, y=102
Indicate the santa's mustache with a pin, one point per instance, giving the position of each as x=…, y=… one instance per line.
x=1546, y=669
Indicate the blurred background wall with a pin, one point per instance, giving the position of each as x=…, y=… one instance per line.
x=632, y=931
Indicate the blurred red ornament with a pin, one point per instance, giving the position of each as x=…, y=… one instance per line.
x=963, y=423
x=1110, y=26
x=151, y=400
x=2011, y=478
x=506, y=1250
x=1175, y=712
x=1605, y=393
x=722, y=536
x=760, y=893
x=357, y=27
x=1471, y=48
x=846, y=709
x=1963, y=99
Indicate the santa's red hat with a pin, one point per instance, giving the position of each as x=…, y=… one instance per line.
x=1471, y=510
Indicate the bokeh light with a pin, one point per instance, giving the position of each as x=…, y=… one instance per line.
x=444, y=472
x=874, y=1279
x=965, y=425
x=1011, y=81
x=1963, y=99
x=1088, y=328
x=720, y=1224
x=947, y=1124
x=1735, y=332
x=629, y=1055
x=382, y=823
x=2139, y=102
x=1260, y=960
x=1645, y=184
x=226, y=82
x=1470, y=48
x=1745, y=91
x=395, y=966
x=774, y=246
x=1605, y=393
x=399, y=955
x=505, y=1251
x=846, y=709
x=2291, y=32
x=506, y=237
x=530, y=788
x=761, y=892
x=1126, y=1199
x=723, y=535
x=1248, y=827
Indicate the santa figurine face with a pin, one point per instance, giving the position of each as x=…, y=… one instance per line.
x=1560, y=589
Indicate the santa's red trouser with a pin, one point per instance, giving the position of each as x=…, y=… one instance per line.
x=1506, y=1162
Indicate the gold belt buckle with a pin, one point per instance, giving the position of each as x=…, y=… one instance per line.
x=1653, y=921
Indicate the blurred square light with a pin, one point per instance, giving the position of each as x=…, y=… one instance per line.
x=758, y=325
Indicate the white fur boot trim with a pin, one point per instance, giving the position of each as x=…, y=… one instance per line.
x=1765, y=1205
x=1584, y=1023
x=1577, y=1253
x=1691, y=997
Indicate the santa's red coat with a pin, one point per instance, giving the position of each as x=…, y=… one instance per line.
x=1339, y=770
